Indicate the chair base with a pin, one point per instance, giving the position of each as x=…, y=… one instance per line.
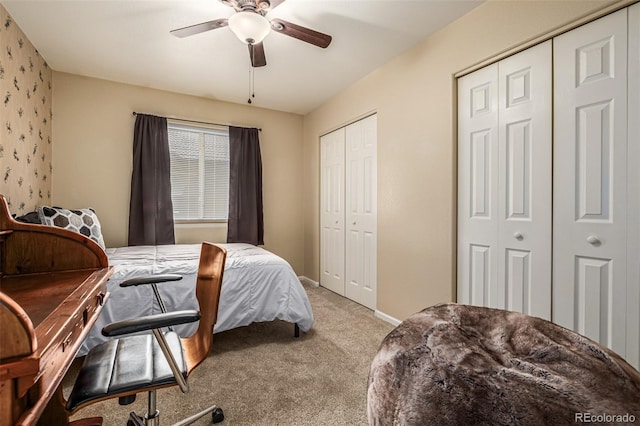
x=135, y=420
x=217, y=416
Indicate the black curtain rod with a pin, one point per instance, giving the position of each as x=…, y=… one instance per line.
x=194, y=121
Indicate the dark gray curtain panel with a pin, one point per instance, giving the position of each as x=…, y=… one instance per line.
x=245, y=223
x=151, y=209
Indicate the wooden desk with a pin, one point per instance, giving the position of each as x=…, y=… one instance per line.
x=52, y=288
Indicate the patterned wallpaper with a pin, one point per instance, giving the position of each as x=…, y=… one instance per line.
x=25, y=123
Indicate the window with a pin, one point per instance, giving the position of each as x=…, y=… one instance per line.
x=199, y=173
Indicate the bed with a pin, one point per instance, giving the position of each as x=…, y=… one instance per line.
x=257, y=286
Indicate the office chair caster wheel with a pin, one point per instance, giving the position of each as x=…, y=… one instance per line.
x=217, y=416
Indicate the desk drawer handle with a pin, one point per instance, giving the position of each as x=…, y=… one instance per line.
x=67, y=341
x=100, y=298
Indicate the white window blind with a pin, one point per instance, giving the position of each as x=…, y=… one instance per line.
x=199, y=172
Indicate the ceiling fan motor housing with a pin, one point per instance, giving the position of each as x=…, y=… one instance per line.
x=259, y=6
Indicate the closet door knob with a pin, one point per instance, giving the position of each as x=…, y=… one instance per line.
x=593, y=240
x=518, y=235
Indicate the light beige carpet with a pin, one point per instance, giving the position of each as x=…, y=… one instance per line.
x=262, y=375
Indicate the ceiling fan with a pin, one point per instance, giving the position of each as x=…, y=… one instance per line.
x=251, y=26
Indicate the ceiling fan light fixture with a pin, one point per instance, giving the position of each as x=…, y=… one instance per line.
x=250, y=27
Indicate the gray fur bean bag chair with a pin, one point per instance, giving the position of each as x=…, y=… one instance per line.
x=465, y=365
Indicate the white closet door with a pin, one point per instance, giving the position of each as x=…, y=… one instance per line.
x=332, y=214
x=504, y=178
x=590, y=180
x=361, y=193
x=477, y=187
x=524, y=183
x=633, y=169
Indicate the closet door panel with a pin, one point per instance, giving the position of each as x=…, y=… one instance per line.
x=594, y=286
x=361, y=194
x=518, y=276
x=590, y=180
x=332, y=238
x=477, y=184
x=524, y=184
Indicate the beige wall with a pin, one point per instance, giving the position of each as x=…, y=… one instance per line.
x=414, y=96
x=92, y=154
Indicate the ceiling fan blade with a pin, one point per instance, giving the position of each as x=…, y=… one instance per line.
x=256, y=53
x=301, y=33
x=200, y=28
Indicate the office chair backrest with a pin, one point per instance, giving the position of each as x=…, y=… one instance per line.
x=208, y=284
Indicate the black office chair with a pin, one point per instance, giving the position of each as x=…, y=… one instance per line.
x=116, y=368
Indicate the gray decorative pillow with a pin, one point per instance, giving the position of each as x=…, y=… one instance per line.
x=83, y=221
x=31, y=217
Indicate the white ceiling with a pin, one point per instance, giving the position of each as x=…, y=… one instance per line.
x=129, y=41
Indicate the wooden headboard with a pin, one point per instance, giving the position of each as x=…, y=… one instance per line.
x=27, y=248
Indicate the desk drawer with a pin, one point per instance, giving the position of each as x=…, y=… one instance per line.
x=80, y=313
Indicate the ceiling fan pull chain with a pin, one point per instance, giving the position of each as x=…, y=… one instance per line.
x=250, y=73
x=252, y=83
x=252, y=77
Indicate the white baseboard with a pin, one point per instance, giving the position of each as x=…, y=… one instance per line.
x=308, y=281
x=387, y=318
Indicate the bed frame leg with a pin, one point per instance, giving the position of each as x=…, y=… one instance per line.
x=296, y=330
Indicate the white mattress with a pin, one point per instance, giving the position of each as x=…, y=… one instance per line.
x=257, y=286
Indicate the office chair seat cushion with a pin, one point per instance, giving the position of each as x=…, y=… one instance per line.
x=132, y=363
